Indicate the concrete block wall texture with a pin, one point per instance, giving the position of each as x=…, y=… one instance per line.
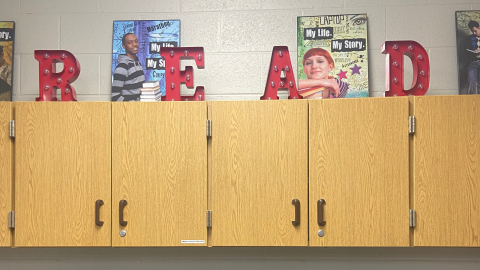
x=238, y=37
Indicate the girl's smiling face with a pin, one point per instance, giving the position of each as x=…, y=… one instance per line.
x=317, y=67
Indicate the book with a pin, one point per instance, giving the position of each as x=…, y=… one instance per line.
x=467, y=24
x=7, y=37
x=152, y=98
x=151, y=84
x=332, y=50
x=136, y=55
x=151, y=95
x=153, y=89
x=149, y=100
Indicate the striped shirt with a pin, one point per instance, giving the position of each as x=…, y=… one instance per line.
x=128, y=78
x=343, y=89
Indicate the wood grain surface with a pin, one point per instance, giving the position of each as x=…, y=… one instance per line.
x=6, y=163
x=411, y=165
x=160, y=167
x=447, y=171
x=259, y=165
x=209, y=173
x=359, y=165
x=63, y=165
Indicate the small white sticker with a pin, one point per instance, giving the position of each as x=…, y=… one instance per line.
x=193, y=241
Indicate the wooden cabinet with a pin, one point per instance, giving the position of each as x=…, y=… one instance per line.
x=62, y=167
x=6, y=176
x=259, y=166
x=159, y=168
x=358, y=163
x=269, y=163
x=446, y=171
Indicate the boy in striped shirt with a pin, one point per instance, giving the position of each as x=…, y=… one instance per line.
x=128, y=76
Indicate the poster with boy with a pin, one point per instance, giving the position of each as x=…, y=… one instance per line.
x=7, y=30
x=468, y=51
x=136, y=56
x=332, y=56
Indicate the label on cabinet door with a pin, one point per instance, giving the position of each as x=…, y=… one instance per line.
x=193, y=241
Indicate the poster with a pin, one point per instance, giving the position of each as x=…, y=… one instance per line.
x=136, y=55
x=7, y=36
x=332, y=56
x=468, y=51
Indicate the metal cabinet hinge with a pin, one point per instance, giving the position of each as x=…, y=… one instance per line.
x=209, y=128
x=411, y=124
x=12, y=129
x=11, y=219
x=413, y=218
x=209, y=218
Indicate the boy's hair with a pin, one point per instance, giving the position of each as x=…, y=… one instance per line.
x=123, y=38
x=1, y=49
x=472, y=24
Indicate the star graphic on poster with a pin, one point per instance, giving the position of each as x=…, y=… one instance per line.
x=342, y=75
x=356, y=69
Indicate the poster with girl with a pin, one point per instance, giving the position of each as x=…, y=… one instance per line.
x=332, y=56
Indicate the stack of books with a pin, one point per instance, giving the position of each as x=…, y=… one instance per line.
x=151, y=91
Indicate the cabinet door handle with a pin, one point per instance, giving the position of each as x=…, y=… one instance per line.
x=120, y=212
x=321, y=221
x=296, y=222
x=98, y=203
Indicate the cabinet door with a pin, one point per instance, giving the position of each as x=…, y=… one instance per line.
x=259, y=166
x=160, y=169
x=446, y=171
x=62, y=167
x=359, y=168
x=6, y=151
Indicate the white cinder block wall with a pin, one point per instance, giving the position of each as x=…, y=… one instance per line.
x=238, y=37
